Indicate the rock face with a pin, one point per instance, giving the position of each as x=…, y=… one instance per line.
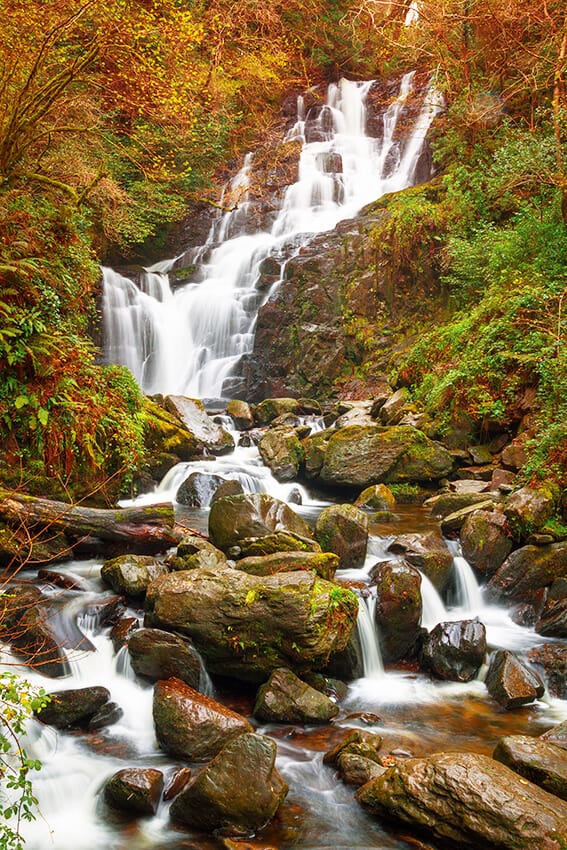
x=136, y=790
x=540, y=761
x=510, y=682
x=238, y=791
x=343, y=529
x=130, y=575
x=469, y=799
x=526, y=571
x=156, y=654
x=286, y=699
x=358, y=456
x=192, y=725
x=486, y=541
x=246, y=626
x=252, y=515
x=398, y=609
x=455, y=651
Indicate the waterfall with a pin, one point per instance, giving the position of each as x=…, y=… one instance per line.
x=468, y=595
x=371, y=656
x=190, y=341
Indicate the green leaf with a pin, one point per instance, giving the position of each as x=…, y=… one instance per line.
x=43, y=415
x=21, y=401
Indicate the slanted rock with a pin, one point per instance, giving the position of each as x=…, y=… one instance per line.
x=357, y=770
x=198, y=489
x=136, y=790
x=378, y=497
x=553, y=621
x=192, y=725
x=540, y=761
x=469, y=799
x=525, y=571
x=325, y=564
x=252, y=515
x=428, y=553
x=394, y=407
x=191, y=412
x=156, y=654
x=275, y=543
x=130, y=575
x=343, y=529
x=452, y=523
x=557, y=735
x=281, y=451
x=511, y=682
x=247, y=626
x=286, y=699
x=25, y=624
x=449, y=503
x=74, y=707
x=398, y=608
x=455, y=651
x=239, y=791
x=486, y=541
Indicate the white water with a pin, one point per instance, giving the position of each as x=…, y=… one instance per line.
x=191, y=340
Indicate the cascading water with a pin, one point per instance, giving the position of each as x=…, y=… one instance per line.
x=190, y=341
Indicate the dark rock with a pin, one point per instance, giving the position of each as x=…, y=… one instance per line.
x=526, y=571
x=455, y=651
x=357, y=770
x=553, y=621
x=238, y=792
x=156, y=654
x=192, y=725
x=510, y=682
x=343, y=529
x=25, y=624
x=286, y=699
x=540, y=761
x=130, y=575
x=74, y=707
x=468, y=799
x=252, y=515
x=398, y=608
x=428, y=553
x=551, y=660
x=177, y=782
x=135, y=790
x=486, y=540
x=108, y=714
x=122, y=630
x=198, y=489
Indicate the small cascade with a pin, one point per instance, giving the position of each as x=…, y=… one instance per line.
x=468, y=595
x=433, y=609
x=371, y=656
x=191, y=340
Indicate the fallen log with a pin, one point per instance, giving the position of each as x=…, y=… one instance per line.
x=140, y=528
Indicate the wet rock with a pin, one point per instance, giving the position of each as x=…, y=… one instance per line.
x=74, y=707
x=398, y=608
x=449, y=503
x=455, y=651
x=167, y=439
x=358, y=456
x=156, y=654
x=177, y=782
x=347, y=664
x=325, y=564
x=486, y=540
x=281, y=451
x=428, y=553
x=122, y=630
x=228, y=487
x=252, y=515
x=528, y=509
x=335, y=689
x=271, y=408
x=551, y=660
x=553, y=621
x=357, y=770
x=194, y=544
x=469, y=799
x=60, y=580
x=209, y=435
x=525, y=571
x=136, y=790
x=452, y=523
x=198, y=489
x=107, y=715
x=238, y=792
x=192, y=725
x=355, y=742
x=275, y=543
x=241, y=414
x=343, y=529
x=557, y=735
x=25, y=624
x=378, y=497
x=248, y=626
x=130, y=575
x=394, y=407
x=540, y=761
x=511, y=682
x=286, y=699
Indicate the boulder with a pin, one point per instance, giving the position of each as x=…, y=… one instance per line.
x=394, y=407
x=275, y=543
x=192, y=725
x=228, y=487
x=252, y=515
x=198, y=489
x=26, y=624
x=195, y=551
x=365, y=744
x=455, y=651
x=241, y=414
x=281, y=451
x=325, y=564
x=553, y=621
x=525, y=571
x=428, y=553
x=136, y=790
x=74, y=707
x=486, y=541
x=378, y=497
x=358, y=456
x=286, y=699
x=557, y=735
x=343, y=529
x=191, y=412
x=449, y=503
x=540, y=761
x=247, y=626
x=468, y=799
x=156, y=654
x=528, y=509
x=452, y=523
x=271, y=408
x=357, y=770
x=130, y=575
x=239, y=791
x=511, y=682
x=551, y=660
x=398, y=608
x=122, y=631
x=167, y=439
x=107, y=714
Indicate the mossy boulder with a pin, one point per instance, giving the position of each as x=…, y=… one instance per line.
x=130, y=575
x=156, y=654
x=398, y=608
x=194, y=552
x=358, y=456
x=192, y=414
x=486, y=540
x=165, y=433
x=525, y=571
x=528, y=509
x=535, y=759
x=378, y=497
x=252, y=515
x=246, y=626
x=271, y=408
x=276, y=542
x=343, y=529
x=134, y=789
x=428, y=553
x=325, y=564
x=281, y=451
x=285, y=698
